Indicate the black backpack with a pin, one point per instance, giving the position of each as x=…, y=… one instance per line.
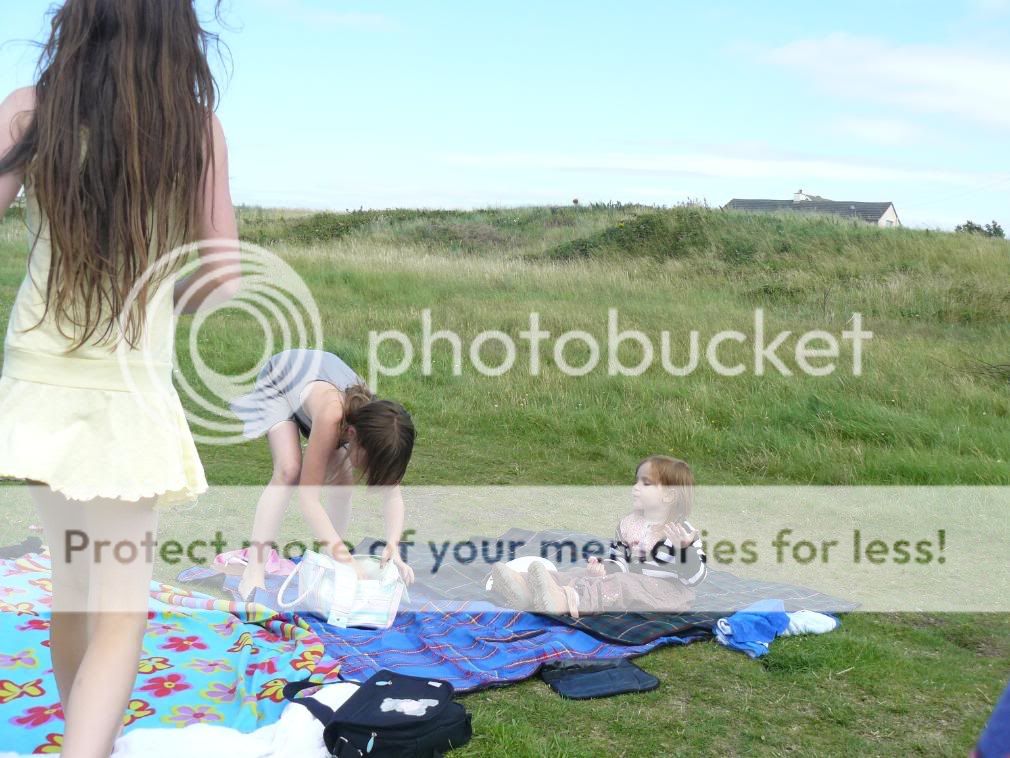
x=362, y=727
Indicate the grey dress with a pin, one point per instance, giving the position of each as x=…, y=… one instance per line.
x=279, y=384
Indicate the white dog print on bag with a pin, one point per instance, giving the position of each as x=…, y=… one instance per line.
x=408, y=706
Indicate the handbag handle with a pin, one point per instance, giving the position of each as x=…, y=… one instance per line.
x=284, y=587
x=291, y=576
x=322, y=712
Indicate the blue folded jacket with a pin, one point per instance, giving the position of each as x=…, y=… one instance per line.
x=751, y=629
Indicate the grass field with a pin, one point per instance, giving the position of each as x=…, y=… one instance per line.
x=931, y=407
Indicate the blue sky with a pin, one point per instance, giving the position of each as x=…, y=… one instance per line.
x=467, y=104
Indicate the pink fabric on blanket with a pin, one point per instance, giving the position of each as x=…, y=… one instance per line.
x=234, y=562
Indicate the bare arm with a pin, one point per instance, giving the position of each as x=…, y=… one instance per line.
x=14, y=113
x=337, y=490
x=322, y=441
x=393, y=510
x=216, y=279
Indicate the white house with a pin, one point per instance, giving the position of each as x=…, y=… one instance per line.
x=879, y=213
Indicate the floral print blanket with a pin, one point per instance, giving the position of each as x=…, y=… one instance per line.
x=204, y=661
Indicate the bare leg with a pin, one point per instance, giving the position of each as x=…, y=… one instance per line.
x=69, y=627
x=286, y=449
x=552, y=593
x=117, y=544
x=120, y=588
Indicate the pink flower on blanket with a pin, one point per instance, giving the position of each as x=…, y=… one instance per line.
x=185, y=715
x=162, y=628
x=25, y=658
x=225, y=627
x=163, y=686
x=35, y=625
x=209, y=666
x=39, y=715
x=221, y=692
x=184, y=644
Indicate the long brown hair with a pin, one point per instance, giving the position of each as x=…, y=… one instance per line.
x=385, y=430
x=676, y=475
x=116, y=151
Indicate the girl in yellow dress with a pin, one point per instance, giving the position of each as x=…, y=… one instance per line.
x=122, y=159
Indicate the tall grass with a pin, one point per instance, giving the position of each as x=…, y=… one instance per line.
x=920, y=413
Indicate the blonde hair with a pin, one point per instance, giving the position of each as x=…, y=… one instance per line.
x=674, y=474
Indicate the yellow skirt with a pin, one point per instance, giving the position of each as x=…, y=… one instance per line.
x=73, y=424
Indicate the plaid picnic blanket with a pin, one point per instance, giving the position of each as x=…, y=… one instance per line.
x=475, y=645
x=719, y=595
x=446, y=588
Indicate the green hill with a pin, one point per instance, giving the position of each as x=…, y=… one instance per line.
x=931, y=406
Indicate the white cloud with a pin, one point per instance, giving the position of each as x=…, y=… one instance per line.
x=722, y=166
x=883, y=131
x=965, y=83
x=992, y=6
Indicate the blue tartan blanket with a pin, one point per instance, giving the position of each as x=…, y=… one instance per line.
x=476, y=646
x=454, y=629
x=472, y=643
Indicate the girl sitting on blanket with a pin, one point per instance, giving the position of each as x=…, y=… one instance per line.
x=655, y=562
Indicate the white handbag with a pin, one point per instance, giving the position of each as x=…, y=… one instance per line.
x=331, y=590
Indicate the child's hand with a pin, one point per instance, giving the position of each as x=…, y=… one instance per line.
x=339, y=552
x=344, y=556
x=596, y=567
x=391, y=553
x=678, y=535
x=406, y=572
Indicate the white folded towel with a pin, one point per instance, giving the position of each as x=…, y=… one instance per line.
x=809, y=622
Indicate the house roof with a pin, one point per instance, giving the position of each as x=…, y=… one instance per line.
x=851, y=208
